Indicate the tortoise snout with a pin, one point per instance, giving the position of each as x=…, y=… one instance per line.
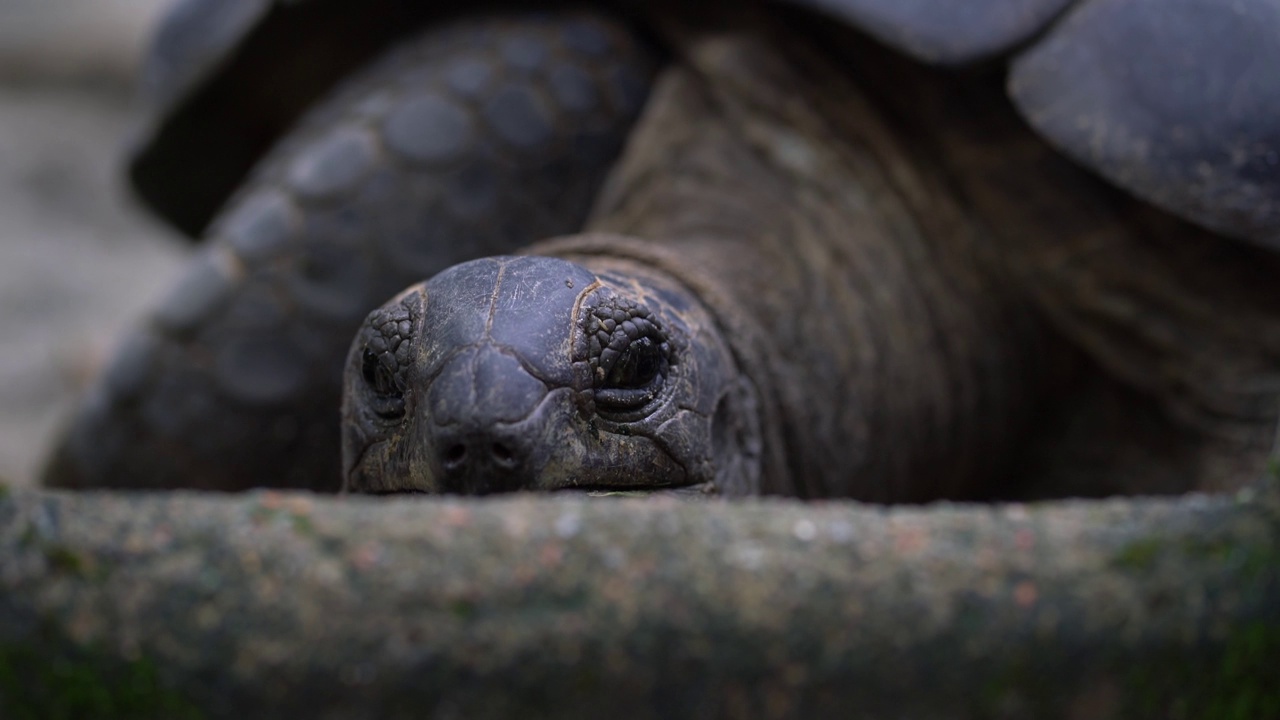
x=478, y=461
x=482, y=439
x=458, y=453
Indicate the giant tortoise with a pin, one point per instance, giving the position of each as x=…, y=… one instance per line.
x=802, y=247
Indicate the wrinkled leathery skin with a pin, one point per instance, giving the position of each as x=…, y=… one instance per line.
x=816, y=271
x=897, y=297
x=532, y=373
x=471, y=139
x=879, y=343
x=910, y=294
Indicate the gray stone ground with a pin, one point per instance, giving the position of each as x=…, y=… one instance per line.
x=78, y=260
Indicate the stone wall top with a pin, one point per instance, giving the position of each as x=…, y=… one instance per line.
x=306, y=606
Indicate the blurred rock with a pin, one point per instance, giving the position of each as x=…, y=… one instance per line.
x=88, y=41
x=290, y=605
x=77, y=259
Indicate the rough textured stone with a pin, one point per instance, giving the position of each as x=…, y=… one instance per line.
x=303, y=606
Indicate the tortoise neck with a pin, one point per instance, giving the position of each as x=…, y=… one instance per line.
x=882, y=339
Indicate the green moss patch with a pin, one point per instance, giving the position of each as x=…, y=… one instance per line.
x=83, y=684
x=1138, y=555
x=1243, y=683
x=1250, y=561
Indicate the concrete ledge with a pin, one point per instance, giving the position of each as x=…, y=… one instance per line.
x=186, y=605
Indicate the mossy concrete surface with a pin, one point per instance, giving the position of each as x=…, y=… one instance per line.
x=292, y=605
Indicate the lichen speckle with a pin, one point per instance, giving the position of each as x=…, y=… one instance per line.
x=1139, y=554
x=443, y=600
x=804, y=530
x=84, y=683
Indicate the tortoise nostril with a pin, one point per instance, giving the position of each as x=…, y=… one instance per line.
x=503, y=454
x=455, y=455
x=479, y=461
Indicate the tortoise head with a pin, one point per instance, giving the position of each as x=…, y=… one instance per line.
x=534, y=373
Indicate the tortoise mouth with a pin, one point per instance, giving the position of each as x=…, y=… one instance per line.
x=691, y=491
x=553, y=448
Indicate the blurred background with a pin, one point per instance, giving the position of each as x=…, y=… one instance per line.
x=78, y=258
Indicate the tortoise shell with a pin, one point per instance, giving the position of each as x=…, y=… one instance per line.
x=1175, y=101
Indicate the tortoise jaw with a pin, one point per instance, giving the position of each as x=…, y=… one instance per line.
x=696, y=491
x=553, y=448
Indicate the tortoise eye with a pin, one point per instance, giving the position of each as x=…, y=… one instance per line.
x=388, y=397
x=634, y=376
x=379, y=376
x=636, y=367
x=629, y=354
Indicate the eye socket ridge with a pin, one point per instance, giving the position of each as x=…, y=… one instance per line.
x=387, y=355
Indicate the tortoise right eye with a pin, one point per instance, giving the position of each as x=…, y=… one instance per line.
x=628, y=352
x=637, y=367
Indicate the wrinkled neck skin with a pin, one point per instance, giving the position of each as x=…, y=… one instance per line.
x=889, y=288
x=889, y=361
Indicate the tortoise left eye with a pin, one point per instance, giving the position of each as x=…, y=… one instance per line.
x=388, y=398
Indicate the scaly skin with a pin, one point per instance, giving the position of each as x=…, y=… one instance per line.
x=471, y=139
x=531, y=373
x=909, y=278
x=902, y=297
x=998, y=312
x=881, y=340
x=926, y=284
x=1177, y=383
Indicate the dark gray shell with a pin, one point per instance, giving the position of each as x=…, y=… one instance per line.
x=1177, y=101
x=224, y=79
